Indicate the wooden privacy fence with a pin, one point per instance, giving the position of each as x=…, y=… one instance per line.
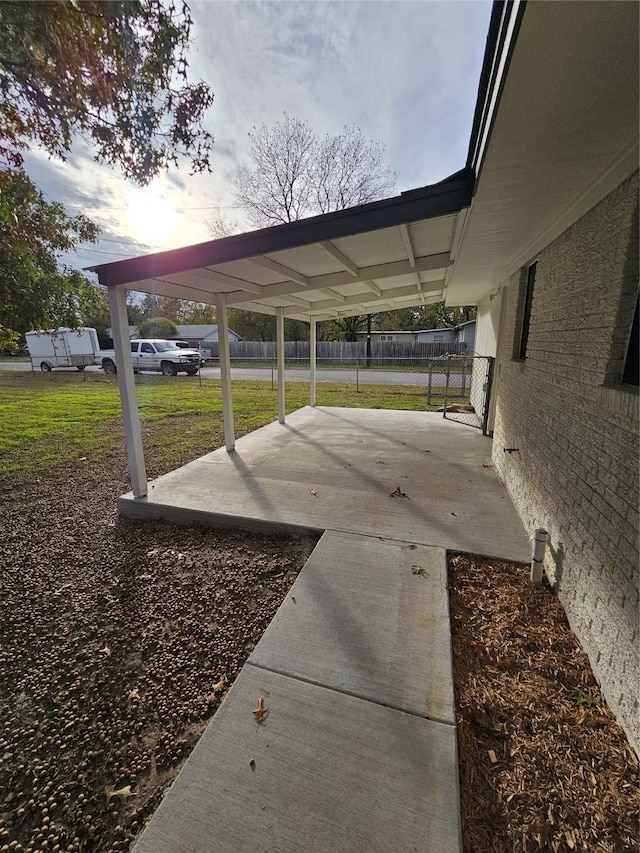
x=342, y=352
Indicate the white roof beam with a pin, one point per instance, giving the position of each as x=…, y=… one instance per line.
x=343, y=259
x=334, y=294
x=407, y=292
x=380, y=271
x=408, y=245
x=373, y=288
x=232, y=281
x=286, y=272
x=297, y=301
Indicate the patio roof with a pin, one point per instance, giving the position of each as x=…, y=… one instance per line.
x=549, y=140
x=379, y=256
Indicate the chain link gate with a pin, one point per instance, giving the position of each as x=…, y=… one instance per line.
x=467, y=394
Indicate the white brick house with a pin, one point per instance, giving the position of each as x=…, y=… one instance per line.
x=539, y=230
x=555, y=214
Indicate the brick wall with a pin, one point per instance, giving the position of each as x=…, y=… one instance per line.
x=576, y=472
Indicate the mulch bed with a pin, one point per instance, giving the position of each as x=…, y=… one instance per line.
x=543, y=763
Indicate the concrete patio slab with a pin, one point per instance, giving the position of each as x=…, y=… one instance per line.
x=358, y=752
x=336, y=469
x=370, y=618
x=324, y=772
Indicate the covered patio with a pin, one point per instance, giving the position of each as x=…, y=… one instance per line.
x=407, y=476
x=357, y=750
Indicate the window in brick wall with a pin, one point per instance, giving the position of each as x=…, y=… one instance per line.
x=631, y=365
x=526, y=313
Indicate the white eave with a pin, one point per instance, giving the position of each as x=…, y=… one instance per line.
x=559, y=131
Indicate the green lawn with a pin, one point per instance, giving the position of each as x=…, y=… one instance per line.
x=48, y=420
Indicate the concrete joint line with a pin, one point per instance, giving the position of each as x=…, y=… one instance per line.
x=391, y=706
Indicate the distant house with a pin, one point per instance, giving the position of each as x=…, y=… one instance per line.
x=445, y=335
x=464, y=333
x=201, y=336
x=392, y=336
x=198, y=336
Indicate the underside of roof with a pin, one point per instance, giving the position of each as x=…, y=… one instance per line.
x=375, y=257
x=556, y=131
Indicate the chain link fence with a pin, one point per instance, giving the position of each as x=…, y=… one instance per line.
x=456, y=385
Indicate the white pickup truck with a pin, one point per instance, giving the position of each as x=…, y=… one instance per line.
x=151, y=354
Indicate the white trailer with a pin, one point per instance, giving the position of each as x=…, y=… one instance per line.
x=62, y=348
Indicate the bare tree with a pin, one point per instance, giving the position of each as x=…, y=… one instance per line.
x=350, y=171
x=297, y=174
x=279, y=187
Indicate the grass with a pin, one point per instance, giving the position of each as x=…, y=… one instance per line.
x=62, y=415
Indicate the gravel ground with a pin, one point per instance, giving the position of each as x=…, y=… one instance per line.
x=118, y=641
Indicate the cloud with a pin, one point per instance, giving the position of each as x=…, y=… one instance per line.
x=406, y=73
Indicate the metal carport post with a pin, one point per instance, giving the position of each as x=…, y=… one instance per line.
x=312, y=360
x=225, y=372
x=280, y=354
x=127, y=388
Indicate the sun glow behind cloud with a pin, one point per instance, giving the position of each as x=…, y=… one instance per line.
x=151, y=217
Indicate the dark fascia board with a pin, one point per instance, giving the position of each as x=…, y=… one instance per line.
x=449, y=196
x=501, y=15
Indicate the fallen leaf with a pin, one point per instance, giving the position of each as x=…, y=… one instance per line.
x=221, y=685
x=398, y=493
x=487, y=466
x=541, y=828
x=134, y=694
x=106, y=651
x=121, y=793
x=492, y=757
x=584, y=700
x=314, y=493
x=260, y=712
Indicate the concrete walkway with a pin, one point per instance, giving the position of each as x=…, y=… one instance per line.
x=358, y=749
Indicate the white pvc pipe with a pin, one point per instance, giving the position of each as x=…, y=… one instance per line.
x=538, y=539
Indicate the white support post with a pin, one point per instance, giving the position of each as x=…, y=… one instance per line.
x=127, y=388
x=225, y=373
x=280, y=353
x=312, y=359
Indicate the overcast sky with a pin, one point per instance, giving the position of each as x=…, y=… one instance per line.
x=406, y=73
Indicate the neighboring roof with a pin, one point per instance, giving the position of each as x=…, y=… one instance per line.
x=132, y=331
x=197, y=331
x=379, y=256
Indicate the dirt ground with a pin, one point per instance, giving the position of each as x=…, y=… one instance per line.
x=543, y=763
x=119, y=639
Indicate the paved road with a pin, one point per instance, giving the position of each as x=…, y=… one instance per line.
x=345, y=375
